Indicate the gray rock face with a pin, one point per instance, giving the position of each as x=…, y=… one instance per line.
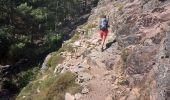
x=167, y=42
x=165, y=17
x=141, y=60
x=150, y=4
x=162, y=81
x=162, y=71
x=148, y=20
x=129, y=40
x=157, y=39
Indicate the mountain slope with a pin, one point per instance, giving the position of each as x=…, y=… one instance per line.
x=134, y=65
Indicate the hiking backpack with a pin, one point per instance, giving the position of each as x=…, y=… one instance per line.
x=103, y=24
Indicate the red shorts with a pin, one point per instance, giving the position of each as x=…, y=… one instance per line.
x=103, y=33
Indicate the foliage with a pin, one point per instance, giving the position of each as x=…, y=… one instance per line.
x=26, y=76
x=30, y=29
x=34, y=24
x=17, y=50
x=53, y=38
x=40, y=14
x=24, y=8
x=20, y=81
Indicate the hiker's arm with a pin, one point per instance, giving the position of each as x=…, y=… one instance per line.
x=109, y=24
x=99, y=24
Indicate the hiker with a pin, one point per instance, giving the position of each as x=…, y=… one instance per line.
x=103, y=29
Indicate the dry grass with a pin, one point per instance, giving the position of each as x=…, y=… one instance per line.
x=55, y=60
x=52, y=88
x=124, y=54
x=119, y=6
x=64, y=83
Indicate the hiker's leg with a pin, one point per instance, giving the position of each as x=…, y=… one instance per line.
x=101, y=37
x=105, y=32
x=103, y=41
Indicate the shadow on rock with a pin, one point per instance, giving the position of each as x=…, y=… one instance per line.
x=108, y=45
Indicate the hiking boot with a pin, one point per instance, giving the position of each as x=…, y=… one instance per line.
x=102, y=49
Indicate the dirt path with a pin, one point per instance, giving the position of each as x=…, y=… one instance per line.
x=100, y=87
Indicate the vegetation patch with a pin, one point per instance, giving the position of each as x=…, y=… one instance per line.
x=26, y=76
x=75, y=37
x=90, y=26
x=36, y=90
x=52, y=88
x=124, y=54
x=55, y=60
x=67, y=47
x=123, y=82
x=64, y=83
x=119, y=6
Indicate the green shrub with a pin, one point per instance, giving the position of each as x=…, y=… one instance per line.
x=24, y=39
x=40, y=14
x=24, y=8
x=26, y=76
x=16, y=51
x=53, y=40
x=4, y=43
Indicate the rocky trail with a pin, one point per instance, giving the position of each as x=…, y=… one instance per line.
x=129, y=68
x=99, y=73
